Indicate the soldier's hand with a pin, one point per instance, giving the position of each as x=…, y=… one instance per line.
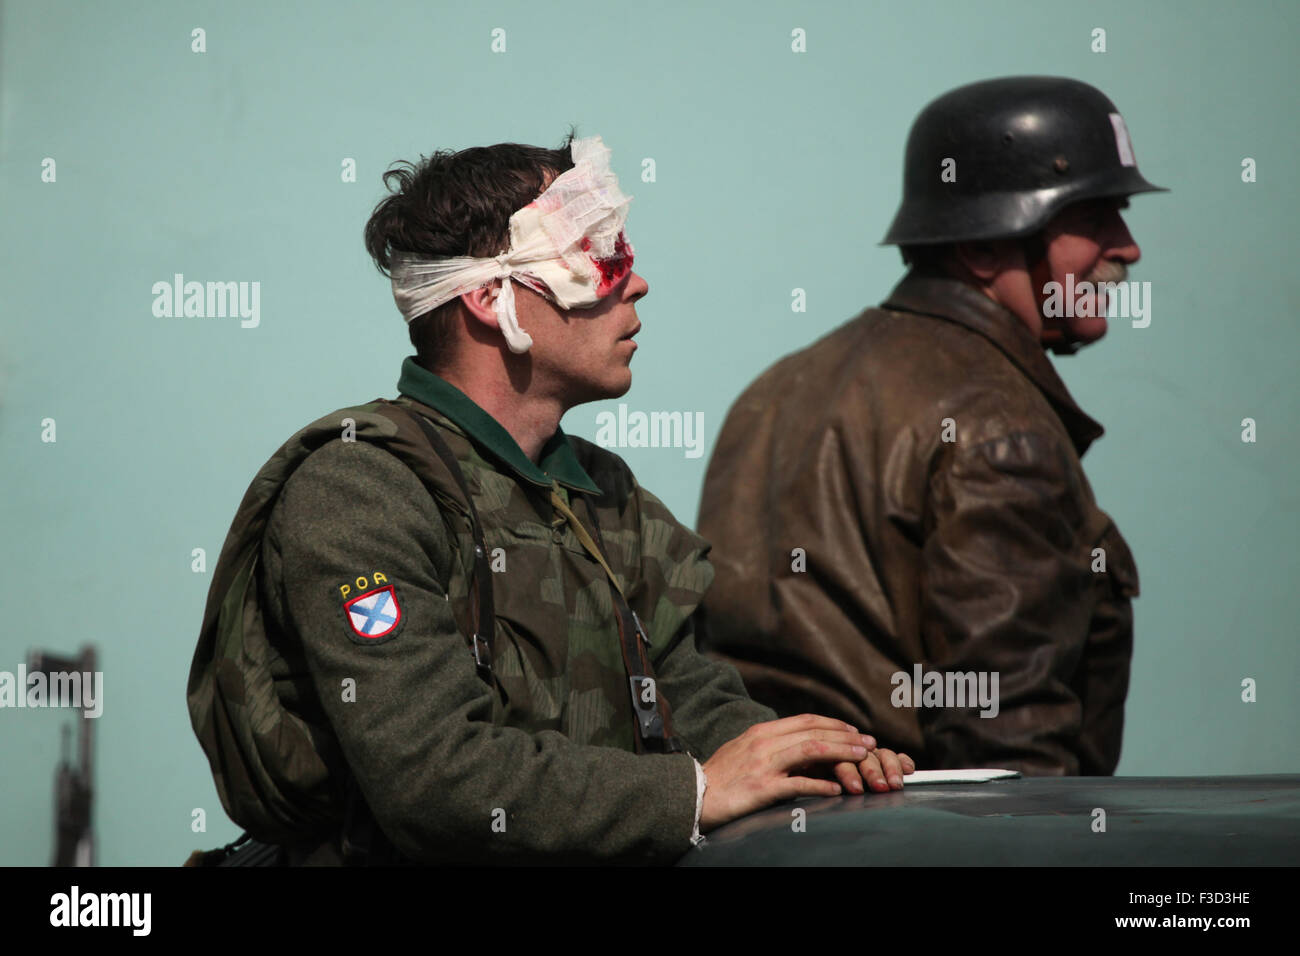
x=881, y=770
x=759, y=767
x=884, y=769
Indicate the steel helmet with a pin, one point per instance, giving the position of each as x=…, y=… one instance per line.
x=1023, y=148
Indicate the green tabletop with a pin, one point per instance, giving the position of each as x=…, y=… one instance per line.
x=1037, y=821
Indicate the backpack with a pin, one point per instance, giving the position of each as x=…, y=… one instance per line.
x=273, y=772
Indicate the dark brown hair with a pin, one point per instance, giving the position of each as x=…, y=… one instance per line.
x=456, y=204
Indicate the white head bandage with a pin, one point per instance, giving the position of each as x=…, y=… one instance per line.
x=567, y=244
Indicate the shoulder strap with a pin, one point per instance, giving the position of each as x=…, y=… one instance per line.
x=485, y=613
x=654, y=716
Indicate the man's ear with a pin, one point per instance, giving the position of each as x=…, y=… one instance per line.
x=480, y=304
x=985, y=260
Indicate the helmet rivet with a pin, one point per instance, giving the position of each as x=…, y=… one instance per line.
x=1061, y=165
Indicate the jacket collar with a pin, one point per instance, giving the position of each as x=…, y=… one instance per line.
x=953, y=300
x=557, y=460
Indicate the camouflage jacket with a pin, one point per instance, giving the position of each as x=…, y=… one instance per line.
x=362, y=588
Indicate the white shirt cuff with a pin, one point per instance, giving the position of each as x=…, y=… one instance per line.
x=701, y=782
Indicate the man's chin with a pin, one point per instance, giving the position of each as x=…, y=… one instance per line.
x=623, y=385
x=603, y=391
x=1087, y=328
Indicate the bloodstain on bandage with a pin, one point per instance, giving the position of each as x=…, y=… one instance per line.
x=613, y=268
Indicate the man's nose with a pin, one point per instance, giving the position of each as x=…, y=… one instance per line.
x=636, y=287
x=1122, y=245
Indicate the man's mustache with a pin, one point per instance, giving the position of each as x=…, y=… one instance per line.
x=1108, y=271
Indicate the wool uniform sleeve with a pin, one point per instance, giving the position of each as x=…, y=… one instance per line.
x=708, y=699
x=443, y=782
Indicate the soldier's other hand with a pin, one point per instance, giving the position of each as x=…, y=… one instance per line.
x=875, y=770
x=760, y=767
x=884, y=770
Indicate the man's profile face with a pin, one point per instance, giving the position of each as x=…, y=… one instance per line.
x=1089, y=241
x=583, y=355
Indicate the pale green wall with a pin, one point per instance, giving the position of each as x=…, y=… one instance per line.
x=775, y=170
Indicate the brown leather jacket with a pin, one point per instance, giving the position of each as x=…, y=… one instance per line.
x=962, y=546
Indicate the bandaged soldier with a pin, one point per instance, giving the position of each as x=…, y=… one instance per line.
x=442, y=630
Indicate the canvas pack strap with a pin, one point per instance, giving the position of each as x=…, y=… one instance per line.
x=481, y=586
x=654, y=716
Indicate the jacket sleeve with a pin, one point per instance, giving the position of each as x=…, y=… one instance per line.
x=708, y=699
x=1008, y=591
x=443, y=782
x=1103, y=679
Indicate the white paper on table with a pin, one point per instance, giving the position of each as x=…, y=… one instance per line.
x=956, y=776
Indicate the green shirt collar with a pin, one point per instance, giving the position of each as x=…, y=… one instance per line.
x=557, y=460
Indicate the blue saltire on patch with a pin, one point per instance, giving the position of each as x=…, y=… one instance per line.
x=374, y=614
